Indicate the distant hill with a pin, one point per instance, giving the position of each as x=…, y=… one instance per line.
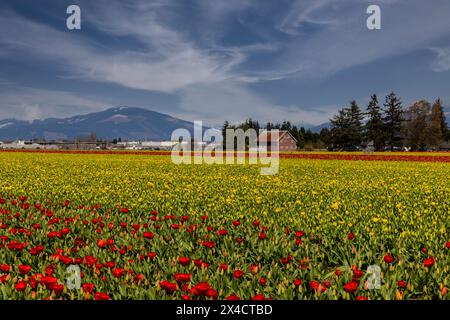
x=125, y=122
x=314, y=128
x=317, y=129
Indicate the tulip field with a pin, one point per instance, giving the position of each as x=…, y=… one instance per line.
x=141, y=227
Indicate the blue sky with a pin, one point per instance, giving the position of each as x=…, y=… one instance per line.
x=213, y=60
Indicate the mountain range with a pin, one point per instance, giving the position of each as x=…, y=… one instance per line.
x=128, y=123
x=124, y=122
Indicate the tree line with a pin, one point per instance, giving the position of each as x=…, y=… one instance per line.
x=386, y=126
x=390, y=126
x=306, y=139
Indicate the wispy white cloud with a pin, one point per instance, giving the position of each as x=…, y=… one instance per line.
x=305, y=12
x=442, y=61
x=348, y=43
x=169, y=60
x=169, y=63
x=25, y=103
x=235, y=103
x=208, y=77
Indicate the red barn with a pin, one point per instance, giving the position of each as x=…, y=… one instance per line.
x=286, y=141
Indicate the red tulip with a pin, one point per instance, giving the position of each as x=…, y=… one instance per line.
x=263, y=281
x=184, y=261
x=90, y=261
x=101, y=296
x=58, y=288
x=238, y=274
x=259, y=297
x=149, y=235
x=101, y=243
x=428, y=262
x=211, y=293
x=198, y=262
x=357, y=273
x=208, y=244
x=49, y=282
x=118, y=272
x=5, y=267
x=3, y=278
x=36, y=250
x=316, y=286
x=182, y=277
x=140, y=277
x=351, y=286
x=88, y=287
x=388, y=259
x=49, y=270
x=24, y=269
x=299, y=234
x=21, y=286
x=201, y=288
x=168, y=286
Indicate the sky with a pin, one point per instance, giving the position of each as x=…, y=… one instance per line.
x=217, y=60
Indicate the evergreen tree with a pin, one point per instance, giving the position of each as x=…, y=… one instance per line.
x=301, y=141
x=356, y=124
x=374, y=125
x=325, y=136
x=393, y=113
x=225, y=126
x=438, y=118
x=340, y=125
x=347, y=127
x=286, y=125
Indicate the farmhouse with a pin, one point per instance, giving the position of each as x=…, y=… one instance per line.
x=286, y=141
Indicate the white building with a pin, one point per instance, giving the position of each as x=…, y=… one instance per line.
x=21, y=144
x=142, y=145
